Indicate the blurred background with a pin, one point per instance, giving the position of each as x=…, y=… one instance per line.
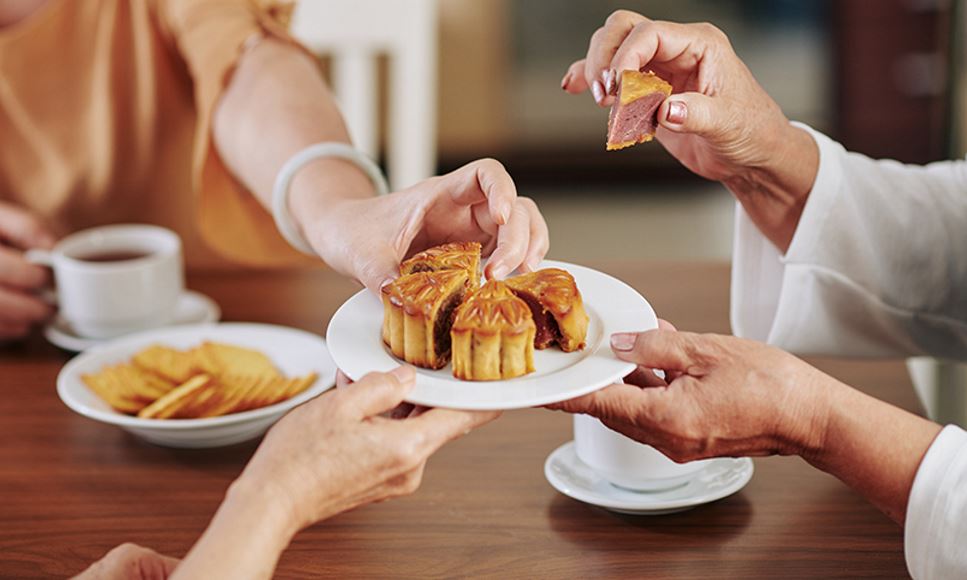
x=874, y=74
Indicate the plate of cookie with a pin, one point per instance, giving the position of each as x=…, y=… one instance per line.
x=204, y=385
x=531, y=339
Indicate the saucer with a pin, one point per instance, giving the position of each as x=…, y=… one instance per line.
x=192, y=308
x=720, y=478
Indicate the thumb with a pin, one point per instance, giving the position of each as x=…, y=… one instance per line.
x=693, y=113
x=657, y=349
x=377, y=268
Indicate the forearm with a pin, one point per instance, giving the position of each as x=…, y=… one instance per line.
x=872, y=446
x=775, y=193
x=276, y=105
x=244, y=540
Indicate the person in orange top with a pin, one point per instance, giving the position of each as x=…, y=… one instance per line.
x=182, y=113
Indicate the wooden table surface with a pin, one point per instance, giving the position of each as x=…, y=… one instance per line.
x=72, y=488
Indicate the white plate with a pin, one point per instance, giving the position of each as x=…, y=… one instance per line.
x=294, y=352
x=192, y=308
x=720, y=478
x=356, y=344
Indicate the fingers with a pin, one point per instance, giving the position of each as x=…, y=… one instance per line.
x=438, y=426
x=17, y=308
x=377, y=393
x=605, y=42
x=512, y=243
x=616, y=402
x=665, y=325
x=483, y=180
x=540, y=239
x=23, y=229
x=574, y=81
x=377, y=268
x=695, y=114
x=17, y=272
x=644, y=378
x=657, y=349
x=673, y=47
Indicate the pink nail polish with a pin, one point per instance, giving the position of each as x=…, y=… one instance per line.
x=622, y=341
x=609, y=84
x=677, y=113
x=597, y=89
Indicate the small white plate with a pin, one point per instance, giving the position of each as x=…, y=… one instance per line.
x=293, y=351
x=355, y=341
x=192, y=308
x=720, y=478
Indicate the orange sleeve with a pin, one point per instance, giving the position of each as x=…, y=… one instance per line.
x=211, y=36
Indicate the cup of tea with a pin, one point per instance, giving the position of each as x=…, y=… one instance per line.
x=626, y=463
x=117, y=279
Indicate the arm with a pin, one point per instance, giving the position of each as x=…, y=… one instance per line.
x=834, y=252
x=332, y=454
x=874, y=265
x=261, y=99
x=735, y=397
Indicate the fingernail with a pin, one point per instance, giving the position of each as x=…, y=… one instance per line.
x=604, y=76
x=609, y=83
x=498, y=272
x=403, y=373
x=677, y=111
x=385, y=283
x=566, y=80
x=505, y=214
x=533, y=263
x=598, y=91
x=623, y=342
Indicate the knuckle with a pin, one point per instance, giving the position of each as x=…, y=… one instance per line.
x=489, y=164
x=620, y=17
x=407, y=453
x=712, y=32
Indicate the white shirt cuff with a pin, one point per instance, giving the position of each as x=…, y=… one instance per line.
x=758, y=268
x=936, y=522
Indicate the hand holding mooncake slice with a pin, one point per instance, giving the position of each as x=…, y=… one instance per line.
x=634, y=114
x=492, y=335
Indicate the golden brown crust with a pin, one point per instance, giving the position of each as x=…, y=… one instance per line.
x=450, y=256
x=557, y=293
x=417, y=310
x=492, y=335
x=635, y=85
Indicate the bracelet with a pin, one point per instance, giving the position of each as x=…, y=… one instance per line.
x=280, y=191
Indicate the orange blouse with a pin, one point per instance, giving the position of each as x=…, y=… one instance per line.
x=105, y=117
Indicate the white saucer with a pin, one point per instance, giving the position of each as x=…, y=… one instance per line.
x=572, y=477
x=192, y=308
x=355, y=342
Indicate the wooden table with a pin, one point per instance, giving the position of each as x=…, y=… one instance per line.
x=71, y=488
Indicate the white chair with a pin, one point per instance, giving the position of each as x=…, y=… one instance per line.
x=354, y=33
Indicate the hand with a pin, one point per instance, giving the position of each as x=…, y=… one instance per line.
x=726, y=397
x=368, y=238
x=130, y=562
x=20, y=307
x=337, y=452
x=718, y=122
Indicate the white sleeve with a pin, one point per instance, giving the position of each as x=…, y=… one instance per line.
x=935, y=538
x=877, y=265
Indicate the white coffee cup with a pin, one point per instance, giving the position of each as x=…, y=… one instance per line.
x=626, y=463
x=101, y=297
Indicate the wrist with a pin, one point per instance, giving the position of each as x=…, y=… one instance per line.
x=250, y=501
x=806, y=426
x=321, y=185
x=774, y=192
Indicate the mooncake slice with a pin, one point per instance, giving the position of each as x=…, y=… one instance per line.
x=634, y=114
x=556, y=306
x=493, y=335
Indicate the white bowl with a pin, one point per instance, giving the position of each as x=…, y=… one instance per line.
x=295, y=352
